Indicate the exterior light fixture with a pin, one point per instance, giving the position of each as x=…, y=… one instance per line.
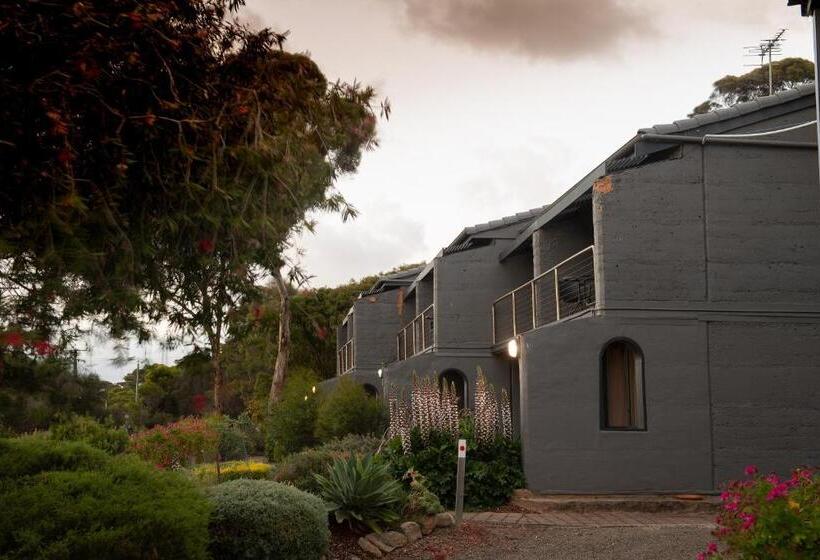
x=305, y=397
x=313, y=389
x=512, y=348
x=380, y=372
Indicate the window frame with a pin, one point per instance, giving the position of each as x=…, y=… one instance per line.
x=602, y=387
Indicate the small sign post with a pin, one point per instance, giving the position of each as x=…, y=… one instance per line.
x=462, y=457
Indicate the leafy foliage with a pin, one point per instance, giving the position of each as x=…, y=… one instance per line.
x=362, y=491
x=420, y=502
x=178, y=444
x=299, y=469
x=257, y=519
x=82, y=428
x=239, y=438
x=730, y=89
x=31, y=455
x=291, y=422
x=493, y=470
x=34, y=390
x=109, y=504
x=766, y=517
x=348, y=409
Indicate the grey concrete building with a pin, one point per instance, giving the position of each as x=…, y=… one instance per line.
x=660, y=321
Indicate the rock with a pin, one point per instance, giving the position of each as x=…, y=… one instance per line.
x=369, y=547
x=393, y=538
x=379, y=543
x=427, y=525
x=444, y=519
x=411, y=530
x=353, y=557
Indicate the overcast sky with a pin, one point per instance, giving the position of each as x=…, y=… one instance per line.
x=498, y=105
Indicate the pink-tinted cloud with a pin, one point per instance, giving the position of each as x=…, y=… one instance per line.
x=553, y=29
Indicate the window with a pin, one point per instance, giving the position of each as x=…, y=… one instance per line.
x=622, y=399
x=455, y=378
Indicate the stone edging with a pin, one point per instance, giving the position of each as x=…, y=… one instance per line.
x=378, y=545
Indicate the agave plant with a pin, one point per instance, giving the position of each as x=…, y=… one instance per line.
x=361, y=491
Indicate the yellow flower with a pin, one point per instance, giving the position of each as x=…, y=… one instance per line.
x=794, y=505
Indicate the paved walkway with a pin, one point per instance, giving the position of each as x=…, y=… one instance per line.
x=596, y=519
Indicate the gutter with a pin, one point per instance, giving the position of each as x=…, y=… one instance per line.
x=709, y=139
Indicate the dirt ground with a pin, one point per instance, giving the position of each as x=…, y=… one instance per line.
x=517, y=542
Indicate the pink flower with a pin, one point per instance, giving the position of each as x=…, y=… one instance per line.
x=724, y=496
x=712, y=548
x=730, y=506
x=701, y=556
x=748, y=521
x=778, y=491
x=750, y=470
x=773, y=479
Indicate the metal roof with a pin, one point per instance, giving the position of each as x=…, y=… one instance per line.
x=495, y=224
x=807, y=7
x=393, y=280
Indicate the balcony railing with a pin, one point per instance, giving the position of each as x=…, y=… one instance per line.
x=347, y=357
x=565, y=289
x=416, y=336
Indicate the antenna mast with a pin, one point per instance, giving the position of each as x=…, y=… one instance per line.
x=765, y=50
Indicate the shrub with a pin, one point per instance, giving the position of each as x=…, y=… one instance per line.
x=85, y=428
x=236, y=436
x=177, y=444
x=292, y=420
x=493, y=468
x=348, y=409
x=420, y=502
x=123, y=508
x=261, y=519
x=362, y=491
x=30, y=455
x=298, y=469
x=769, y=517
x=232, y=470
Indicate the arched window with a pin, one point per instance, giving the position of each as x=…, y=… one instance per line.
x=371, y=390
x=622, y=397
x=454, y=378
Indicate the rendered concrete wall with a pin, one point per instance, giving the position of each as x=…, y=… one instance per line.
x=562, y=238
x=466, y=285
x=376, y=325
x=565, y=449
x=424, y=292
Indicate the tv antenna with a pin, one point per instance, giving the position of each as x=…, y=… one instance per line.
x=766, y=49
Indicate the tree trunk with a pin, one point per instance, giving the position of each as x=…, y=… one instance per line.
x=216, y=364
x=280, y=368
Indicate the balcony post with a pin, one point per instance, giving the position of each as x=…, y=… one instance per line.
x=515, y=331
x=557, y=299
x=532, y=300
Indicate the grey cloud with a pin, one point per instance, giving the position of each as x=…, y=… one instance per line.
x=553, y=29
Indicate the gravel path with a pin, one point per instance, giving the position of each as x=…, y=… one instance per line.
x=517, y=542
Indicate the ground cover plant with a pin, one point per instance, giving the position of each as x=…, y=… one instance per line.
x=769, y=517
x=423, y=433
x=259, y=520
x=69, y=500
x=232, y=470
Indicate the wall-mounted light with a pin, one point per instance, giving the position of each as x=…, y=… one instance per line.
x=313, y=389
x=512, y=348
x=305, y=397
x=380, y=372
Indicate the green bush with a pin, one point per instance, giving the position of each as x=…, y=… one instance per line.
x=84, y=428
x=493, y=470
x=421, y=501
x=189, y=440
x=362, y=491
x=237, y=437
x=348, y=409
x=292, y=420
x=257, y=519
x=769, y=517
x=298, y=469
x=31, y=455
x=123, y=508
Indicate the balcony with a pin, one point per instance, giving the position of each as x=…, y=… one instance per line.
x=347, y=357
x=416, y=336
x=566, y=289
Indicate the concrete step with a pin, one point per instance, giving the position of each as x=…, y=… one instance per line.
x=542, y=503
